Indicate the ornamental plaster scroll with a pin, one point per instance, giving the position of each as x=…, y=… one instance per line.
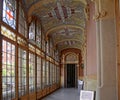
x=100, y=15
x=99, y=12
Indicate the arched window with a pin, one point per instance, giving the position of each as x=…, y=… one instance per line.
x=9, y=12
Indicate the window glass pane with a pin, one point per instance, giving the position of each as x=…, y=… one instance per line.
x=43, y=73
x=53, y=77
x=22, y=22
x=58, y=75
x=38, y=35
x=9, y=12
x=56, y=55
x=55, y=73
x=47, y=48
x=47, y=73
x=43, y=42
x=31, y=72
x=21, y=41
x=53, y=53
x=32, y=33
x=51, y=73
x=8, y=70
x=51, y=48
x=38, y=73
x=8, y=33
x=22, y=72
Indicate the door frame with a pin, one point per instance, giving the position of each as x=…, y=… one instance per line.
x=65, y=75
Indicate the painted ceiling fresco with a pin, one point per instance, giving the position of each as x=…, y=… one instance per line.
x=62, y=20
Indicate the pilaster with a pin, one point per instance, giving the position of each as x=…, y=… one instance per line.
x=106, y=50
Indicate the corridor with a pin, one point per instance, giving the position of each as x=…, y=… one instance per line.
x=49, y=44
x=64, y=94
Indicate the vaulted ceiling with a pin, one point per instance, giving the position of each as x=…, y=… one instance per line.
x=63, y=20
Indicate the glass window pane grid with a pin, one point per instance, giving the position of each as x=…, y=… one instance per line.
x=43, y=44
x=31, y=72
x=8, y=33
x=53, y=77
x=39, y=74
x=47, y=48
x=58, y=75
x=38, y=35
x=8, y=72
x=47, y=73
x=51, y=72
x=55, y=73
x=32, y=33
x=45, y=70
x=9, y=12
x=43, y=74
x=22, y=22
x=22, y=72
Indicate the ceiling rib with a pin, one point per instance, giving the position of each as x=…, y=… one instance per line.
x=50, y=31
x=67, y=40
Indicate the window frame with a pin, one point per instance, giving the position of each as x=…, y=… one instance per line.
x=4, y=14
x=6, y=95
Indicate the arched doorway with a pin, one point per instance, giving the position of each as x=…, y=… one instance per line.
x=71, y=69
x=71, y=61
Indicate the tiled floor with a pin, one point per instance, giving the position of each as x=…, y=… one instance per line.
x=64, y=94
